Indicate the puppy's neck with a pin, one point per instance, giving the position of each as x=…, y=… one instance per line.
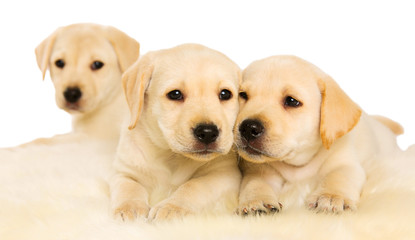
x=295, y=173
x=104, y=122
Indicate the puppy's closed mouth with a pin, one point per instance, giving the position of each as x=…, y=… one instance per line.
x=203, y=154
x=255, y=155
x=250, y=150
x=205, y=151
x=72, y=106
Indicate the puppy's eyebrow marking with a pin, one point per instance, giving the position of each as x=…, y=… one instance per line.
x=226, y=84
x=290, y=92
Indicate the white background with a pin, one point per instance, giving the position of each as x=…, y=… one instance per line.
x=368, y=47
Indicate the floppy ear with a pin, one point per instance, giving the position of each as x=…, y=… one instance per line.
x=126, y=48
x=135, y=82
x=339, y=114
x=43, y=52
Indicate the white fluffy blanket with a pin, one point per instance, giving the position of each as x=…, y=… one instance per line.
x=60, y=192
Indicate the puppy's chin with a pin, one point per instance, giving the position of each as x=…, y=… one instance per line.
x=253, y=156
x=201, y=152
x=72, y=107
x=81, y=107
x=259, y=155
x=203, y=156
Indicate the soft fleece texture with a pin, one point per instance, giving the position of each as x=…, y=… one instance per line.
x=61, y=192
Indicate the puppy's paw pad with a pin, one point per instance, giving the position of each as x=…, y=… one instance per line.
x=130, y=210
x=329, y=203
x=259, y=207
x=168, y=211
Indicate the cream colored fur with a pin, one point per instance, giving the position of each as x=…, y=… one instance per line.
x=101, y=108
x=61, y=192
x=326, y=144
x=163, y=171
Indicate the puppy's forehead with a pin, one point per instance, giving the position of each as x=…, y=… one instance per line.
x=195, y=65
x=82, y=40
x=279, y=73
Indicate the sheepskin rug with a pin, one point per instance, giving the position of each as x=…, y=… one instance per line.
x=60, y=191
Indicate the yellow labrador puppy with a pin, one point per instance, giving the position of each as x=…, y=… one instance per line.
x=174, y=159
x=86, y=62
x=297, y=126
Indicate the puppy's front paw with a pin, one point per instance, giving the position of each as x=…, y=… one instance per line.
x=131, y=210
x=259, y=207
x=330, y=203
x=167, y=211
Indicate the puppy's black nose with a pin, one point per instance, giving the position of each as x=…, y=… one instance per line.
x=251, y=129
x=72, y=94
x=206, y=133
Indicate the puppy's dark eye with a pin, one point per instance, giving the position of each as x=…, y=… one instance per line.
x=225, y=94
x=292, y=102
x=243, y=95
x=97, y=65
x=175, y=95
x=60, y=63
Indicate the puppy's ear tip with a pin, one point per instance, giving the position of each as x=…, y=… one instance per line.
x=326, y=142
x=131, y=126
x=330, y=135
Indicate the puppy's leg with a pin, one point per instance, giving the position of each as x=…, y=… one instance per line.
x=257, y=195
x=208, y=185
x=339, y=190
x=128, y=198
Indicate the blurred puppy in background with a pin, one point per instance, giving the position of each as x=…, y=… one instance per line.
x=296, y=126
x=174, y=159
x=86, y=62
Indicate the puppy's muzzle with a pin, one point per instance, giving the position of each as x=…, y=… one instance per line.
x=206, y=133
x=251, y=129
x=72, y=94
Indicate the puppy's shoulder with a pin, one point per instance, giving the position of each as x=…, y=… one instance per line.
x=135, y=148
